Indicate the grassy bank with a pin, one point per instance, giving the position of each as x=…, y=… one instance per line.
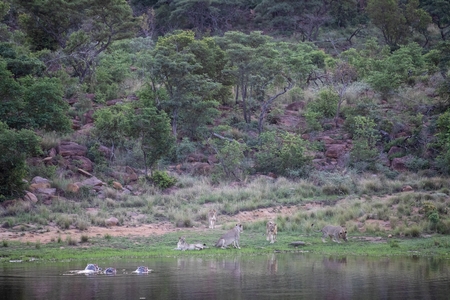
x=252, y=242
x=370, y=207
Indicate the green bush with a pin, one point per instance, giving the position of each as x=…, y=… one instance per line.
x=325, y=104
x=162, y=179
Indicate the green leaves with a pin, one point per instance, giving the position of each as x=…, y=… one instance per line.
x=15, y=147
x=283, y=153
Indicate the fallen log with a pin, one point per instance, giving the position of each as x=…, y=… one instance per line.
x=297, y=243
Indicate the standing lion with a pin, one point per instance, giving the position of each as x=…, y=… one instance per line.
x=212, y=218
x=271, y=231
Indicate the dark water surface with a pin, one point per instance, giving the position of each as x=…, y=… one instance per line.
x=272, y=276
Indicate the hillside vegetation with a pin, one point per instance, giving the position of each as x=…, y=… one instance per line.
x=119, y=112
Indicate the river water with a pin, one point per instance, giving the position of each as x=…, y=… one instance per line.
x=268, y=276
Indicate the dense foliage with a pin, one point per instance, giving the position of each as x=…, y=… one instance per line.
x=176, y=66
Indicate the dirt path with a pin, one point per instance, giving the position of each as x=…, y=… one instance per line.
x=30, y=233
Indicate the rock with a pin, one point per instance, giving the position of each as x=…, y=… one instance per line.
x=39, y=179
x=395, y=151
x=93, y=181
x=81, y=162
x=52, y=152
x=197, y=157
x=71, y=149
x=128, y=176
x=399, y=164
x=105, y=151
x=201, y=169
x=296, y=106
x=30, y=197
x=297, y=243
x=85, y=173
x=42, y=185
x=112, y=222
x=72, y=188
x=46, y=193
x=114, y=102
x=117, y=186
x=407, y=188
x=335, y=150
x=89, y=117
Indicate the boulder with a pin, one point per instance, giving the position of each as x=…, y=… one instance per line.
x=105, y=151
x=117, y=185
x=93, y=181
x=395, y=151
x=39, y=179
x=72, y=188
x=71, y=149
x=335, y=150
x=42, y=185
x=296, y=106
x=201, y=168
x=112, y=222
x=407, y=188
x=128, y=176
x=399, y=164
x=47, y=193
x=30, y=197
x=81, y=162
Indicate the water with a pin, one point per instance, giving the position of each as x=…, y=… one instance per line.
x=272, y=276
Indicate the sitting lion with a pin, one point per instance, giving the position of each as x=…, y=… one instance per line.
x=271, y=231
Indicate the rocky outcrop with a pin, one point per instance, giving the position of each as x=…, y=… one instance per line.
x=67, y=149
x=399, y=164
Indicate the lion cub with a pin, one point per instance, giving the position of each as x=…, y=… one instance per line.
x=212, y=217
x=334, y=233
x=271, y=231
x=231, y=237
x=183, y=245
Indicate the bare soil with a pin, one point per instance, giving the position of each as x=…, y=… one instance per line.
x=45, y=234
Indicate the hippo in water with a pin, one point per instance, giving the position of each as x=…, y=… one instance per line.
x=91, y=269
x=142, y=270
x=110, y=271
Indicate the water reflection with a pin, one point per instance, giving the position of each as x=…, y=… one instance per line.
x=281, y=276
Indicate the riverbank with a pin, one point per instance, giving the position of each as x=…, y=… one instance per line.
x=252, y=243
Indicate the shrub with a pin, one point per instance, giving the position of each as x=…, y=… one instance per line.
x=413, y=231
x=325, y=104
x=162, y=179
x=70, y=241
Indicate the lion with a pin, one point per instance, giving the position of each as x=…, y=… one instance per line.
x=183, y=245
x=334, y=233
x=212, y=217
x=230, y=238
x=271, y=231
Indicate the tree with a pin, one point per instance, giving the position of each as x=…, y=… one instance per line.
x=106, y=21
x=231, y=156
x=111, y=125
x=365, y=138
x=252, y=64
x=397, y=21
x=184, y=74
x=151, y=127
x=80, y=29
x=32, y=102
x=45, y=107
x=282, y=153
x=11, y=102
x=15, y=147
x=439, y=10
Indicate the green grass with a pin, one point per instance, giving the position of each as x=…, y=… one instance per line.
x=252, y=242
